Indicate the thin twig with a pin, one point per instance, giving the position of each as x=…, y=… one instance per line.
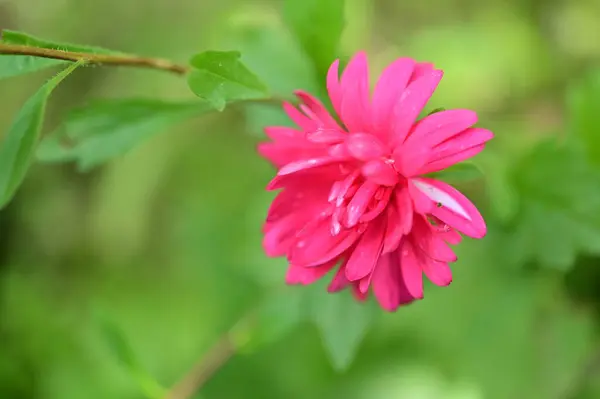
x=97, y=59
x=201, y=372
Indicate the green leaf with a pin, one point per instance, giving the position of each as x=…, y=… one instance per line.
x=343, y=323
x=502, y=194
x=23, y=39
x=15, y=65
x=103, y=130
x=19, y=144
x=583, y=103
x=457, y=173
x=559, y=200
x=220, y=77
x=123, y=352
x=277, y=316
x=317, y=26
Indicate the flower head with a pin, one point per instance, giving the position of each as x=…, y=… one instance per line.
x=353, y=195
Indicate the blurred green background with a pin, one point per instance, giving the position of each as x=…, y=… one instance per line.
x=162, y=249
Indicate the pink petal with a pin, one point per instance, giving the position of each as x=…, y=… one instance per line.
x=440, y=126
x=421, y=69
x=317, y=245
x=339, y=281
x=334, y=88
x=355, y=94
x=455, y=210
x=364, y=256
x=438, y=273
x=394, y=229
x=279, y=236
x=391, y=84
x=364, y=146
x=380, y=172
x=282, y=133
x=405, y=208
x=457, y=149
x=358, y=294
x=410, y=104
x=410, y=160
x=411, y=269
x=304, y=164
x=303, y=121
x=284, y=153
x=318, y=109
x=360, y=202
x=430, y=242
x=307, y=275
x=446, y=162
x=327, y=136
x=388, y=285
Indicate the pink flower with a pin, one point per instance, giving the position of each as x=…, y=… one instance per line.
x=354, y=196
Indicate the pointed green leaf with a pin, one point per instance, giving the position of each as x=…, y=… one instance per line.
x=317, y=26
x=19, y=144
x=103, y=130
x=15, y=65
x=343, y=323
x=220, y=77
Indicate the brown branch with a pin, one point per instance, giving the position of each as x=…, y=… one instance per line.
x=97, y=59
x=201, y=372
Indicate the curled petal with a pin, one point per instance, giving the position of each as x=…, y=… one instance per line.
x=452, y=207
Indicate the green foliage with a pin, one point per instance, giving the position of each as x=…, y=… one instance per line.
x=318, y=26
x=121, y=349
x=14, y=65
x=342, y=322
x=18, y=147
x=103, y=130
x=559, y=194
x=460, y=172
x=220, y=77
x=24, y=39
x=583, y=106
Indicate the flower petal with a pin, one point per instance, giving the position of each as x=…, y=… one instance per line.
x=307, y=275
x=457, y=149
x=317, y=245
x=410, y=104
x=339, y=281
x=388, y=285
x=318, y=109
x=364, y=256
x=453, y=208
x=389, y=87
x=411, y=269
x=334, y=89
x=439, y=273
x=440, y=126
x=355, y=103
